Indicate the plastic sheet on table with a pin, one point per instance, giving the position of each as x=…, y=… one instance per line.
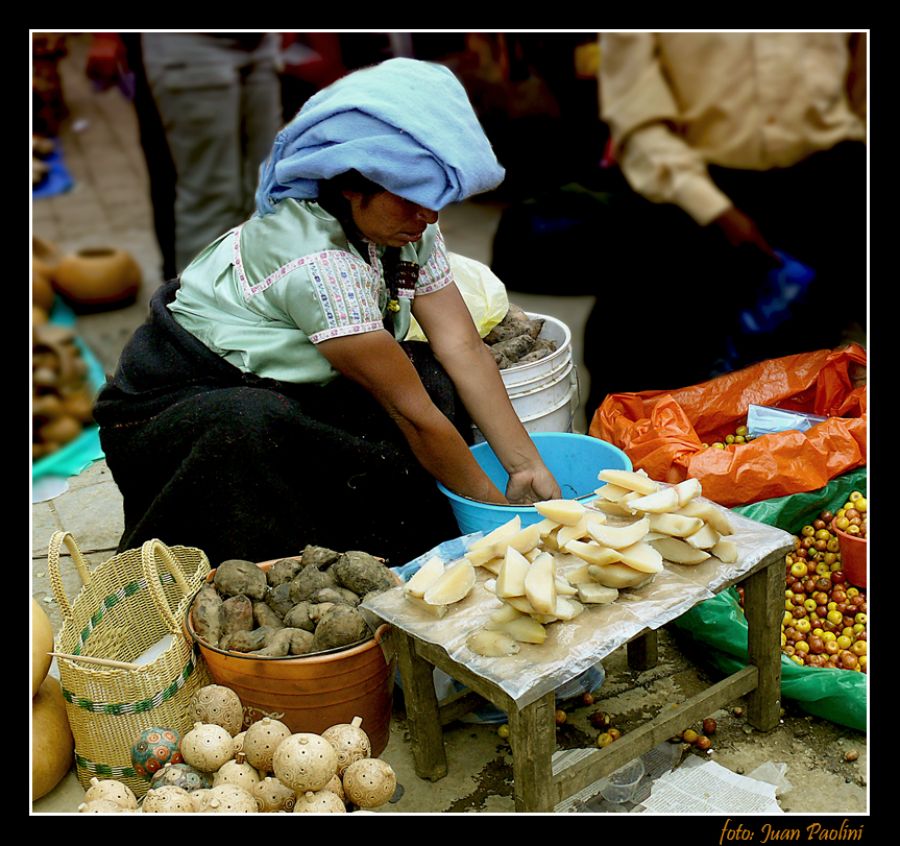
x=572, y=646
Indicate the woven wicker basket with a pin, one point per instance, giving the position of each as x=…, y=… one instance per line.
x=126, y=606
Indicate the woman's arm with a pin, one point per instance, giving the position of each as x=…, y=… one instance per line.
x=446, y=321
x=377, y=362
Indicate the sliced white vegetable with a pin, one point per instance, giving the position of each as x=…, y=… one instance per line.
x=540, y=584
x=523, y=541
x=525, y=630
x=710, y=513
x=546, y=526
x=630, y=479
x=615, y=509
x=455, y=583
x=567, y=512
x=617, y=575
x=665, y=499
x=687, y=490
x=511, y=578
x=521, y=603
x=504, y=614
x=424, y=577
x=492, y=644
x=434, y=610
x=576, y=532
x=504, y=532
x=676, y=525
x=563, y=587
x=480, y=557
x=593, y=552
x=679, y=552
x=567, y=608
x=578, y=575
x=493, y=566
x=618, y=537
x=594, y=593
x=642, y=557
x=726, y=550
x=612, y=493
x=705, y=538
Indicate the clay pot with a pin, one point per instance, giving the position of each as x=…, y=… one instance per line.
x=42, y=293
x=98, y=276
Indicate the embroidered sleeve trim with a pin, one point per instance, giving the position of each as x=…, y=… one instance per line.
x=435, y=273
x=342, y=331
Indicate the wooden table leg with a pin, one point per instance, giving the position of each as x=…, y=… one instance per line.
x=764, y=607
x=532, y=736
x=422, y=715
x=643, y=651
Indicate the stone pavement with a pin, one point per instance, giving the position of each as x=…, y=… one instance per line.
x=108, y=205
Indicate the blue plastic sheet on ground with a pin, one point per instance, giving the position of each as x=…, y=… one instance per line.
x=445, y=686
x=79, y=454
x=58, y=179
x=719, y=623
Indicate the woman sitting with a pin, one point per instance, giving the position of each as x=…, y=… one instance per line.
x=270, y=400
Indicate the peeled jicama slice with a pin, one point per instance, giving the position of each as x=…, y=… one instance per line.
x=503, y=614
x=546, y=526
x=619, y=537
x=567, y=608
x=676, y=525
x=520, y=603
x=424, y=577
x=617, y=575
x=665, y=499
x=687, y=490
x=629, y=479
x=643, y=557
x=493, y=566
x=615, y=509
x=434, y=610
x=710, y=513
x=511, y=578
x=540, y=584
x=563, y=587
x=523, y=541
x=612, y=493
x=456, y=582
x=679, y=552
x=579, y=575
x=492, y=644
x=704, y=538
x=567, y=512
x=594, y=593
x=593, y=552
x=480, y=557
x=524, y=629
x=567, y=533
x=726, y=550
x=504, y=532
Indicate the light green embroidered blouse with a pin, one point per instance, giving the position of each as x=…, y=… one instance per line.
x=265, y=293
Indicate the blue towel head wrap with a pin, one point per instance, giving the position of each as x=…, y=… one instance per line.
x=405, y=124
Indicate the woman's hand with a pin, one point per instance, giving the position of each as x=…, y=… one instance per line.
x=529, y=486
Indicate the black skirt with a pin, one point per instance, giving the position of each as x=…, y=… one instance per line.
x=246, y=467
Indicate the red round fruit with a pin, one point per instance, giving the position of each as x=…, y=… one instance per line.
x=703, y=743
x=709, y=726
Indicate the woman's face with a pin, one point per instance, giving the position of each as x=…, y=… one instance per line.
x=388, y=219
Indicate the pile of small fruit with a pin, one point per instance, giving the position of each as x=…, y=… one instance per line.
x=741, y=435
x=825, y=616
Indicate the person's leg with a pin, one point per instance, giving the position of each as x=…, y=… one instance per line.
x=261, y=113
x=195, y=82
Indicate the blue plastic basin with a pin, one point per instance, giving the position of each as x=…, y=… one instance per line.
x=574, y=460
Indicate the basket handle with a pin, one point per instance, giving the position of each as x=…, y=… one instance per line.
x=149, y=553
x=59, y=592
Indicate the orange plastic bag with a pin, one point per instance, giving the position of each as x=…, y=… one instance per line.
x=663, y=431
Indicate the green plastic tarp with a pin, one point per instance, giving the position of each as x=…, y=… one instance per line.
x=719, y=623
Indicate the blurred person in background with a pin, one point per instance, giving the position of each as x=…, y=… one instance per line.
x=731, y=146
x=219, y=99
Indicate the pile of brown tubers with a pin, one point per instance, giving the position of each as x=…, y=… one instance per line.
x=265, y=769
x=62, y=401
x=516, y=339
x=299, y=606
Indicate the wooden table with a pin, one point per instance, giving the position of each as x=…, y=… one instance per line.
x=544, y=778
